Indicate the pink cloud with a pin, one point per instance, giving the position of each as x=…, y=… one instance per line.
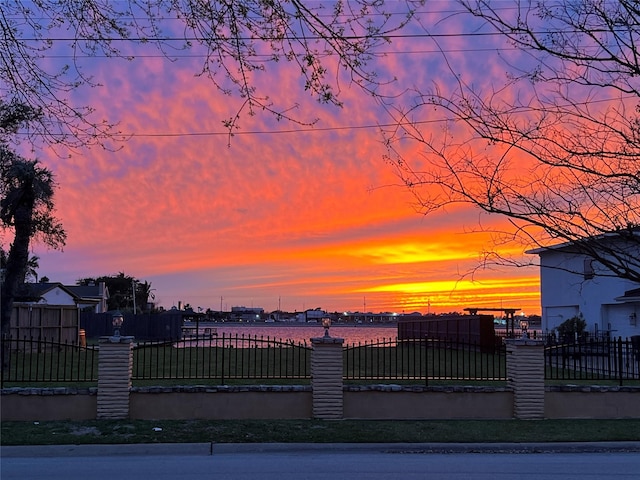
x=310, y=216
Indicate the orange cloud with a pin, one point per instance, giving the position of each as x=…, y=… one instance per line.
x=313, y=216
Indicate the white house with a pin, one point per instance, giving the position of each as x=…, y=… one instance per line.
x=573, y=284
x=46, y=294
x=93, y=296
x=312, y=315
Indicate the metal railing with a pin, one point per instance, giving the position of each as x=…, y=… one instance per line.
x=424, y=361
x=232, y=358
x=222, y=358
x=43, y=361
x=607, y=359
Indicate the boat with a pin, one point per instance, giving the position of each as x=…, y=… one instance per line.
x=190, y=331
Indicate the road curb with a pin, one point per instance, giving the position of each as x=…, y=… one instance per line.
x=213, y=448
x=115, y=450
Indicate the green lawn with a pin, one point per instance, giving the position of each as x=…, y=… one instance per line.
x=318, y=431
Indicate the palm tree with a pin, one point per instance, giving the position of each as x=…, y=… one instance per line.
x=31, y=270
x=26, y=205
x=144, y=292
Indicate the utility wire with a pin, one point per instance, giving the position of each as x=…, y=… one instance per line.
x=309, y=129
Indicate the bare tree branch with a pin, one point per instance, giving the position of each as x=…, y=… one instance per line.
x=556, y=148
x=236, y=39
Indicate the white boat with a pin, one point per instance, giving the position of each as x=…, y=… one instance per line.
x=189, y=332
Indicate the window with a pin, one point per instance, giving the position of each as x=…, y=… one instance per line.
x=589, y=273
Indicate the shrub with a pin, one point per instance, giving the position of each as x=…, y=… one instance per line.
x=572, y=328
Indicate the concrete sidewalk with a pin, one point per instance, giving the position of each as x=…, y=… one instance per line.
x=213, y=448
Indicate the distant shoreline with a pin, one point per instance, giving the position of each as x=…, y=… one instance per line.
x=292, y=324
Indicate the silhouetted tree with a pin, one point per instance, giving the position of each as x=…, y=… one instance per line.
x=121, y=290
x=26, y=207
x=31, y=270
x=144, y=293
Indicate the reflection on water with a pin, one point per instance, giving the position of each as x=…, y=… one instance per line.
x=303, y=333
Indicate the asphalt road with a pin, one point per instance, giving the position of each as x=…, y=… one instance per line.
x=311, y=462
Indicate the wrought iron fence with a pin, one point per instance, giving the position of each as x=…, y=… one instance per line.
x=593, y=359
x=222, y=358
x=231, y=358
x=424, y=360
x=43, y=361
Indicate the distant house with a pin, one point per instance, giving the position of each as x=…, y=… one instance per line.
x=574, y=284
x=314, y=315
x=92, y=296
x=46, y=294
x=82, y=297
x=247, y=314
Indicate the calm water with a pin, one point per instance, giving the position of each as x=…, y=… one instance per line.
x=303, y=333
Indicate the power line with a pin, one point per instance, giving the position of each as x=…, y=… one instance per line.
x=509, y=6
x=268, y=39
x=259, y=132
x=313, y=129
x=142, y=41
x=300, y=36
x=278, y=132
x=379, y=53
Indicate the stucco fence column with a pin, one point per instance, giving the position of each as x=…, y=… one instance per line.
x=115, y=367
x=326, y=377
x=525, y=376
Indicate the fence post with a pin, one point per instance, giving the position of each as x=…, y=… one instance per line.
x=326, y=377
x=525, y=375
x=115, y=366
x=620, y=361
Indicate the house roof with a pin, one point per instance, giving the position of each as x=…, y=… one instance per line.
x=635, y=231
x=629, y=296
x=89, y=291
x=32, y=292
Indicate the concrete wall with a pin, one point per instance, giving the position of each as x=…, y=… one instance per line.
x=393, y=402
x=525, y=395
x=382, y=402
x=44, y=404
x=592, y=402
x=215, y=403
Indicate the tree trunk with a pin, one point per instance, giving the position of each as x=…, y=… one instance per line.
x=18, y=258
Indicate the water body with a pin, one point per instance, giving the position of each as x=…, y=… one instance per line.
x=352, y=334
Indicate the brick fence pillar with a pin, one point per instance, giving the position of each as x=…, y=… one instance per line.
x=115, y=366
x=326, y=377
x=525, y=374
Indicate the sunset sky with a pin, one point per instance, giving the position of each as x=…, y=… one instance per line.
x=281, y=214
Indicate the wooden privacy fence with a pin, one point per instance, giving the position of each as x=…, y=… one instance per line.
x=55, y=323
x=144, y=327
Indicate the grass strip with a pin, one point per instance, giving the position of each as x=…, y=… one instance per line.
x=316, y=431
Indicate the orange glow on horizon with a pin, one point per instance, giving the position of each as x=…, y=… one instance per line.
x=454, y=285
